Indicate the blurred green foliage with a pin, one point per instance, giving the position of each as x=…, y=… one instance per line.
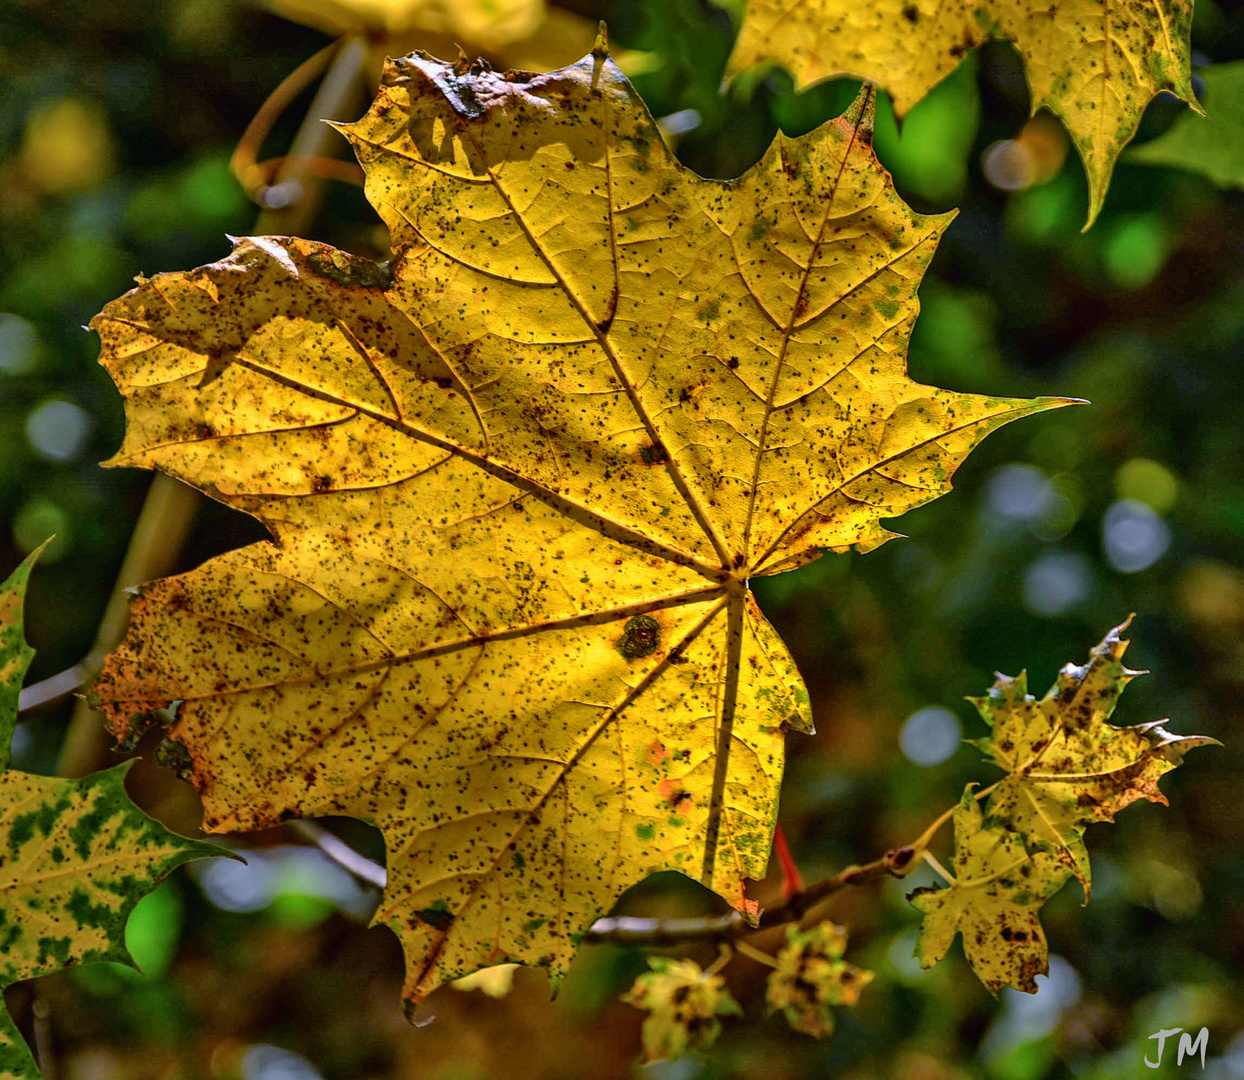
x=116, y=124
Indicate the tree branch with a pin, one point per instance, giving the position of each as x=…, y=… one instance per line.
x=633, y=930
x=628, y=930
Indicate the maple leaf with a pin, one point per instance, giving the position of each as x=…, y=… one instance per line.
x=811, y=976
x=1096, y=64
x=683, y=1003
x=75, y=855
x=518, y=479
x=1067, y=767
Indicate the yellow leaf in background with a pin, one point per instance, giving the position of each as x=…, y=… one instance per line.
x=1065, y=766
x=493, y=22
x=1094, y=63
x=496, y=981
x=521, y=34
x=683, y=1004
x=518, y=479
x=998, y=890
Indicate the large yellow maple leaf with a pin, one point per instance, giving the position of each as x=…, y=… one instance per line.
x=1095, y=63
x=518, y=480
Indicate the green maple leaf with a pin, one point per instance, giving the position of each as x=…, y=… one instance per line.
x=75, y=855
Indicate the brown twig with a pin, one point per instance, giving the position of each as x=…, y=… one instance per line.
x=45, y=1051
x=244, y=161
x=279, y=183
x=635, y=930
x=629, y=930
x=53, y=688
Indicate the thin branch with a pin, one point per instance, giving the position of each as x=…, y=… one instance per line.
x=730, y=927
x=245, y=164
x=628, y=930
x=60, y=685
x=45, y=1049
x=759, y=955
x=341, y=853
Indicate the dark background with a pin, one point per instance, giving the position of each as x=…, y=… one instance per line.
x=116, y=125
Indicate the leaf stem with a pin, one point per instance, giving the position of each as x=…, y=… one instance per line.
x=759, y=955
x=929, y=833
x=725, y=953
x=945, y=874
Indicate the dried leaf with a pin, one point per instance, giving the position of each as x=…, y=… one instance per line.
x=811, y=976
x=683, y=1005
x=75, y=855
x=518, y=480
x=1096, y=65
x=1067, y=767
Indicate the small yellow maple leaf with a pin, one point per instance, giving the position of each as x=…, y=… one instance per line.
x=1095, y=63
x=683, y=1004
x=998, y=889
x=518, y=479
x=1067, y=767
x=811, y=976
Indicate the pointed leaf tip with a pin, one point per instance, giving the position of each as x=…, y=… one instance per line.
x=600, y=49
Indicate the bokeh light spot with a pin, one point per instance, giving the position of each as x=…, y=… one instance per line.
x=1019, y=492
x=1136, y=250
x=1133, y=536
x=1056, y=583
x=19, y=345
x=929, y=736
x=35, y=522
x=263, y=1061
x=57, y=429
x=1006, y=165
x=67, y=146
x=1148, y=482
